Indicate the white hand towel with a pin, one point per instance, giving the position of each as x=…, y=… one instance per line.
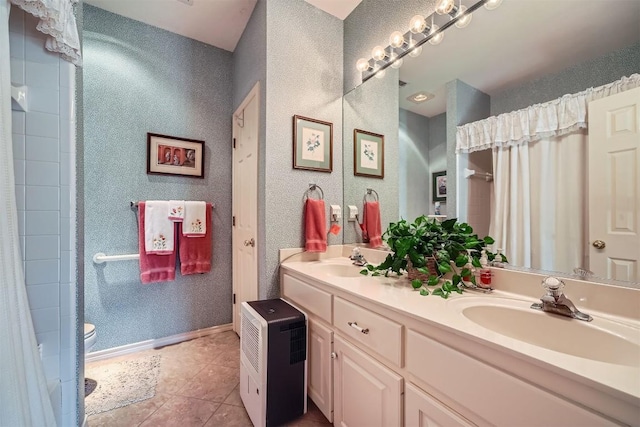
x=194, y=223
x=158, y=230
x=176, y=210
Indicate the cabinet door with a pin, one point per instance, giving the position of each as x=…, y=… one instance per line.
x=367, y=394
x=422, y=410
x=320, y=378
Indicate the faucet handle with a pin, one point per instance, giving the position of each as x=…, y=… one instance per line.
x=552, y=285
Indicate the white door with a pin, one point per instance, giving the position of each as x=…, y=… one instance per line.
x=246, y=122
x=367, y=394
x=320, y=378
x=614, y=186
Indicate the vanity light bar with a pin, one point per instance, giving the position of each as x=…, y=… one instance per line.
x=371, y=67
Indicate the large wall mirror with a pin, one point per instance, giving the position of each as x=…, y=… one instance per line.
x=523, y=53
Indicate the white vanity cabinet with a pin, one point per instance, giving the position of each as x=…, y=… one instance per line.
x=366, y=392
x=371, y=364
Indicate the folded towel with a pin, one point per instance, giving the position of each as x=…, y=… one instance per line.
x=315, y=226
x=371, y=226
x=194, y=223
x=176, y=210
x=158, y=230
x=154, y=268
x=195, y=254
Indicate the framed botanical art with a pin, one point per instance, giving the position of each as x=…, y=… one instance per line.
x=170, y=155
x=439, y=182
x=312, y=144
x=368, y=154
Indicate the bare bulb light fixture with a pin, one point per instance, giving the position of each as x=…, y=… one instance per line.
x=420, y=32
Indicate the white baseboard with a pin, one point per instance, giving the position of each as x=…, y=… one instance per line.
x=155, y=343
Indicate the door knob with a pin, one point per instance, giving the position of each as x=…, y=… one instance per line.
x=251, y=242
x=599, y=244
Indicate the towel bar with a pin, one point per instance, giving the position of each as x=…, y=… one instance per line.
x=370, y=192
x=314, y=187
x=101, y=258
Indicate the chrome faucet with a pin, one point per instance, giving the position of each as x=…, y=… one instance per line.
x=357, y=258
x=555, y=301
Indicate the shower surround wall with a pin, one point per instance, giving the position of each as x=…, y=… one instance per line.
x=140, y=79
x=44, y=158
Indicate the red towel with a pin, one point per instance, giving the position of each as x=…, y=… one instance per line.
x=195, y=251
x=315, y=226
x=371, y=226
x=154, y=268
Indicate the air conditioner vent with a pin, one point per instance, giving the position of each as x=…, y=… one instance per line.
x=251, y=342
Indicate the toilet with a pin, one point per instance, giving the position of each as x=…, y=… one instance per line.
x=89, y=337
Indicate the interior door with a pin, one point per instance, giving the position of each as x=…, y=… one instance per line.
x=245, y=202
x=614, y=186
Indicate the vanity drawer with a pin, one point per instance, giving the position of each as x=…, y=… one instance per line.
x=382, y=335
x=311, y=298
x=489, y=393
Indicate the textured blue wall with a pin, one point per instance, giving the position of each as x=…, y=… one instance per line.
x=413, y=159
x=140, y=79
x=304, y=77
x=596, y=72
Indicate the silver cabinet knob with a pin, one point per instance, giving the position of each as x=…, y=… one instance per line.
x=599, y=244
x=251, y=242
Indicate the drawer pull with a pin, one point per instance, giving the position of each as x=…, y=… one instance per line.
x=355, y=326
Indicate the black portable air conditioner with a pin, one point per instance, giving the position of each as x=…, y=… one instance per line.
x=273, y=362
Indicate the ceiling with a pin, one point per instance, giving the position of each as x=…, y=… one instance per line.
x=219, y=23
x=517, y=42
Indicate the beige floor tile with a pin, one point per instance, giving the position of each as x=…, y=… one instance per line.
x=182, y=412
x=234, y=398
x=131, y=415
x=229, y=416
x=229, y=358
x=213, y=383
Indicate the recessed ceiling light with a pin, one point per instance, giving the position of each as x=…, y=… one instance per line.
x=420, y=97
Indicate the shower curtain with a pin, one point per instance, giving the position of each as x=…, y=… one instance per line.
x=24, y=398
x=539, y=215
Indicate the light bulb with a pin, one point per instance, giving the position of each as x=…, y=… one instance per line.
x=465, y=18
x=414, y=50
x=362, y=65
x=378, y=53
x=396, y=39
x=395, y=61
x=492, y=4
x=444, y=6
x=417, y=24
x=381, y=73
x=436, y=39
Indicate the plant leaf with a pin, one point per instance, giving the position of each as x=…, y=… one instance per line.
x=444, y=268
x=433, y=280
x=424, y=292
x=476, y=262
x=416, y=283
x=471, y=244
x=438, y=291
x=461, y=260
x=456, y=279
x=489, y=240
x=376, y=273
x=364, y=272
x=370, y=267
x=465, y=272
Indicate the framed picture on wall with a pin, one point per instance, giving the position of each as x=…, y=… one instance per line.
x=170, y=155
x=439, y=180
x=312, y=144
x=368, y=154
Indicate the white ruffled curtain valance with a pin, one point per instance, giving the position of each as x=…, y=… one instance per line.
x=58, y=21
x=554, y=118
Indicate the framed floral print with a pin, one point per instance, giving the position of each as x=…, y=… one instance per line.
x=312, y=144
x=368, y=154
x=439, y=182
x=170, y=155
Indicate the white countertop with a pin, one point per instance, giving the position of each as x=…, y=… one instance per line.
x=620, y=380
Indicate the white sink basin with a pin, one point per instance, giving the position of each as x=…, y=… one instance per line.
x=338, y=269
x=601, y=340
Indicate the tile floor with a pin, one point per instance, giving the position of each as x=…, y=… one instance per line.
x=197, y=386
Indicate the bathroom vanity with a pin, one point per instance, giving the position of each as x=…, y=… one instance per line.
x=380, y=354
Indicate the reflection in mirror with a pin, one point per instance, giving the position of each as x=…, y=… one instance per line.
x=500, y=63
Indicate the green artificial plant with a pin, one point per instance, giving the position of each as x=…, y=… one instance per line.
x=452, y=244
